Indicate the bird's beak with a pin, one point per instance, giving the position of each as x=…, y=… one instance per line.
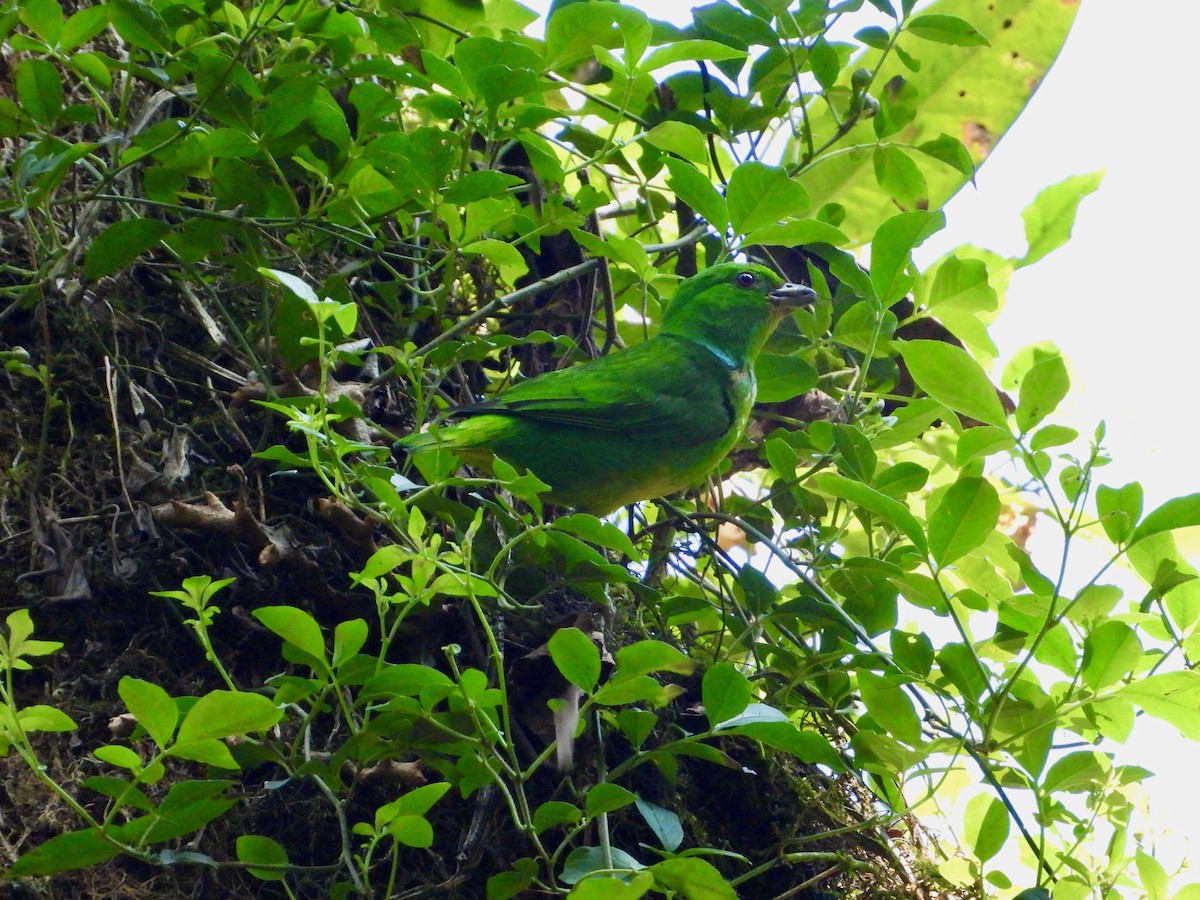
x=792, y=295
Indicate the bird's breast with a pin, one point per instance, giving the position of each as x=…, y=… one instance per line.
x=742, y=388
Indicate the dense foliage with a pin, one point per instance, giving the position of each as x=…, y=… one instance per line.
x=247, y=245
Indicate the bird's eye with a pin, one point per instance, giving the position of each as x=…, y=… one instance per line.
x=745, y=279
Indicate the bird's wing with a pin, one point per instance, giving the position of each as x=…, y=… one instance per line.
x=672, y=390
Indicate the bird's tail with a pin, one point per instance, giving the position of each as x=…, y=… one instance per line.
x=416, y=442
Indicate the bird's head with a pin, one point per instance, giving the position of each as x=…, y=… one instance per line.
x=732, y=308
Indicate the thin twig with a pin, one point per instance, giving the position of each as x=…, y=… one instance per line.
x=550, y=281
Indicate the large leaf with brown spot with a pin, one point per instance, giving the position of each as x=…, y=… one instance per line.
x=972, y=94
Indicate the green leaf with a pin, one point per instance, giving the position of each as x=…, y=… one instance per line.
x=116, y=755
x=962, y=285
x=64, y=852
x=222, y=714
x=553, y=813
x=856, y=456
x=607, y=797
x=761, y=596
x=912, y=652
x=891, y=251
x=963, y=520
x=1155, y=881
x=1094, y=602
x=120, y=789
x=140, y=24
x=796, y=233
x=722, y=21
x=985, y=826
x=574, y=29
x=255, y=848
x=952, y=152
x=1173, y=697
x=611, y=887
x=824, y=62
x=498, y=71
x=958, y=663
x=754, y=713
x=870, y=499
x=874, y=36
x=599, y=532
x=808, y=746
x=1051, y=216
x=950, y=376
x=188, y=807
x=40, y=90
x=650, y=656
x=639, y=688
x=576, y=657
x=865, y=327
x=781, y=456
x=1052, y=436
x=584, y=860
x=625, y=250
x=679, y=138
x=43, y=17
x=1033, y=578
x=348, y=639
x=288, y=106
x=636, y=725
x=759, y=195
x=20, y=627
x=81, y=28
x=40, y=717
x=900, y=479
x=445, y=74
x=899, y=176
x=411, y=831
x=890, y=707
x=416, y=802
x=480, y=185
x=726, y=693
x=92, y=66
x=981, y=442
x=154, y=709
x=508, y=259
x=664, y=823
x=689, y=877
x=943, y=29
x=296, y=627
x=1042, y=389
x=1080, y=772
x=1119, y=509
x=1179, y=512
x=683, y=51
x=407, y=680
x=697, y=191
x=120, y=244
x=636, y=32
x=1110, y=652
x=782, y=377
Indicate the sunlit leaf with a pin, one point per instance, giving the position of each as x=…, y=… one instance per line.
x=576, y=658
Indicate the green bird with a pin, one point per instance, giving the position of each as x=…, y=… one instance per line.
x=642, y=422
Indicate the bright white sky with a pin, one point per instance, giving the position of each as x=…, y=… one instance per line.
x=1121, y=299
